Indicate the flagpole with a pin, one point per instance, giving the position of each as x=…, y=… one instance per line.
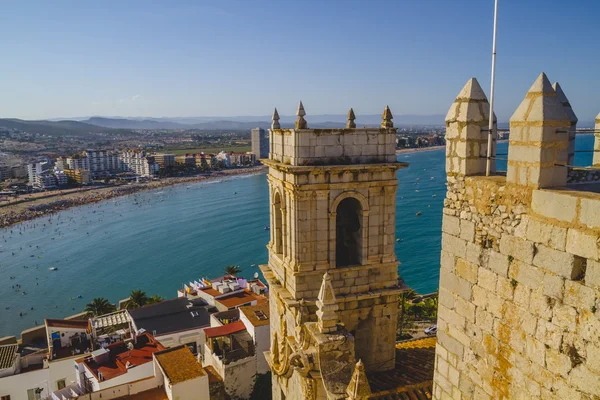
x=491, y=132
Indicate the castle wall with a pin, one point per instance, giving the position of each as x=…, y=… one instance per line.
x=519, y=308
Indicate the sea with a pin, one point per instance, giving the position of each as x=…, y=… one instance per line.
x=158, y=240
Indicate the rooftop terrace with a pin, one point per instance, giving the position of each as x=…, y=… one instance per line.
x=120, y=357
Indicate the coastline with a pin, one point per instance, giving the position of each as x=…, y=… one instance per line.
x=29, y=207
x=420, y=149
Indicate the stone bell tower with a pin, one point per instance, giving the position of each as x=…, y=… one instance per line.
x=332, y=270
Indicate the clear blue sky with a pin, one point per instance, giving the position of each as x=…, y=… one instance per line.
x=228, y=58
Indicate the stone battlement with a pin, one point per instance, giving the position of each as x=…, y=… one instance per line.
x=519, y=299
x=333, y=146
x=345, y=146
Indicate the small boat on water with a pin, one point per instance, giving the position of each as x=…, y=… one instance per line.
x=53, y=269
x=267, y=228
x=418, y=213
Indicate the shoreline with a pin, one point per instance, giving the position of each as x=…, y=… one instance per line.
x=48, y=203
x=420, y=149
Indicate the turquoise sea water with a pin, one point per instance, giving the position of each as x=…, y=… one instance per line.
x=157, y=240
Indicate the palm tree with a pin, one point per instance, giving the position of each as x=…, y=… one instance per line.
x=406, y=297
x=137, y=298
x=99, y=306
x=155, y=299
x=232, y=270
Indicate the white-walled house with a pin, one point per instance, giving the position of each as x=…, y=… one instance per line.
x=235, y=346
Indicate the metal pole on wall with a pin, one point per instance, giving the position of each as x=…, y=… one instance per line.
x=488, y=164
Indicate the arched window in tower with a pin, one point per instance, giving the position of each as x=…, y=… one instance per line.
x=278, y=228
x=348, y=237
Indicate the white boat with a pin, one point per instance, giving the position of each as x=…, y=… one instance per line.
x=53, y=269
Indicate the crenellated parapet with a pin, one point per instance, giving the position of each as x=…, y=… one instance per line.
x=539, y=139
x=519, y=296
x=467, y=132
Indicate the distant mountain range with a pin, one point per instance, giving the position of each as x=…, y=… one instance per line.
x=55, y=128
x=248, y=122
x=97, y=124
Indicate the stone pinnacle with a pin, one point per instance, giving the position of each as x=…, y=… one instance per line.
x=351, y=118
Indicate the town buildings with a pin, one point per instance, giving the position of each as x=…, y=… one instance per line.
x=332, y=271
x=235, y=347
x=260, y=143
x=102, y=163
x=164, y=160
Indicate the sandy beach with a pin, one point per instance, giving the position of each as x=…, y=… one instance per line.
x=419, y=149
x=27, y=207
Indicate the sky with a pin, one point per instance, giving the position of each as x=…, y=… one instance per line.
x=235, y=58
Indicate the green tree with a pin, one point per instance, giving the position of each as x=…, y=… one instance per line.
x=155, y=299
x=99, y=306
x=406, y=298
x=137, y=298
x=232, y=270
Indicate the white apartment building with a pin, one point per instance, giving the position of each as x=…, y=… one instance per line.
x=36, y=169
x=78, y=162
x=101, y=162
x=138, y=162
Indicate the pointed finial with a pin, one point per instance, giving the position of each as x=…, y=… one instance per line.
x=358, y=388
x=387, y=118
x=351, y=117
x=301, y=122
x=275, y=124
x=327, y=306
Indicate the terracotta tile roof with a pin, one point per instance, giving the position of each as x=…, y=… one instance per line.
x=412, y=376
x=65, y=323
x=179, y=364
x=424, y=343
x=225, y=330
x=258, y=315
x=237, y=299
x=152, y=394
x=8, y=355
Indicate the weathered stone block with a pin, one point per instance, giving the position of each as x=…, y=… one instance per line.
x=451, y=317
x=454, y=245
x=592, y=274
x=578, y=295
x=557, y=362
x=546, y=234
x=451, y=225
x=517, y=248
x=465, y=309
x=585, y=380
x=480, y=296
x=487, y=279
x=474, y=253
x=526, y=274
x=553, y=286
x=551, y=204
x=521, y=295
x=466, y=270
x=467, y=230
x=582, y=244
x=541, y=305
x=565, y=317
x=535, y=350
x=455, y=284
x=504, y=288
x=558, y=262
x=588, y=214
x=498, y=263
x=450, y=344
